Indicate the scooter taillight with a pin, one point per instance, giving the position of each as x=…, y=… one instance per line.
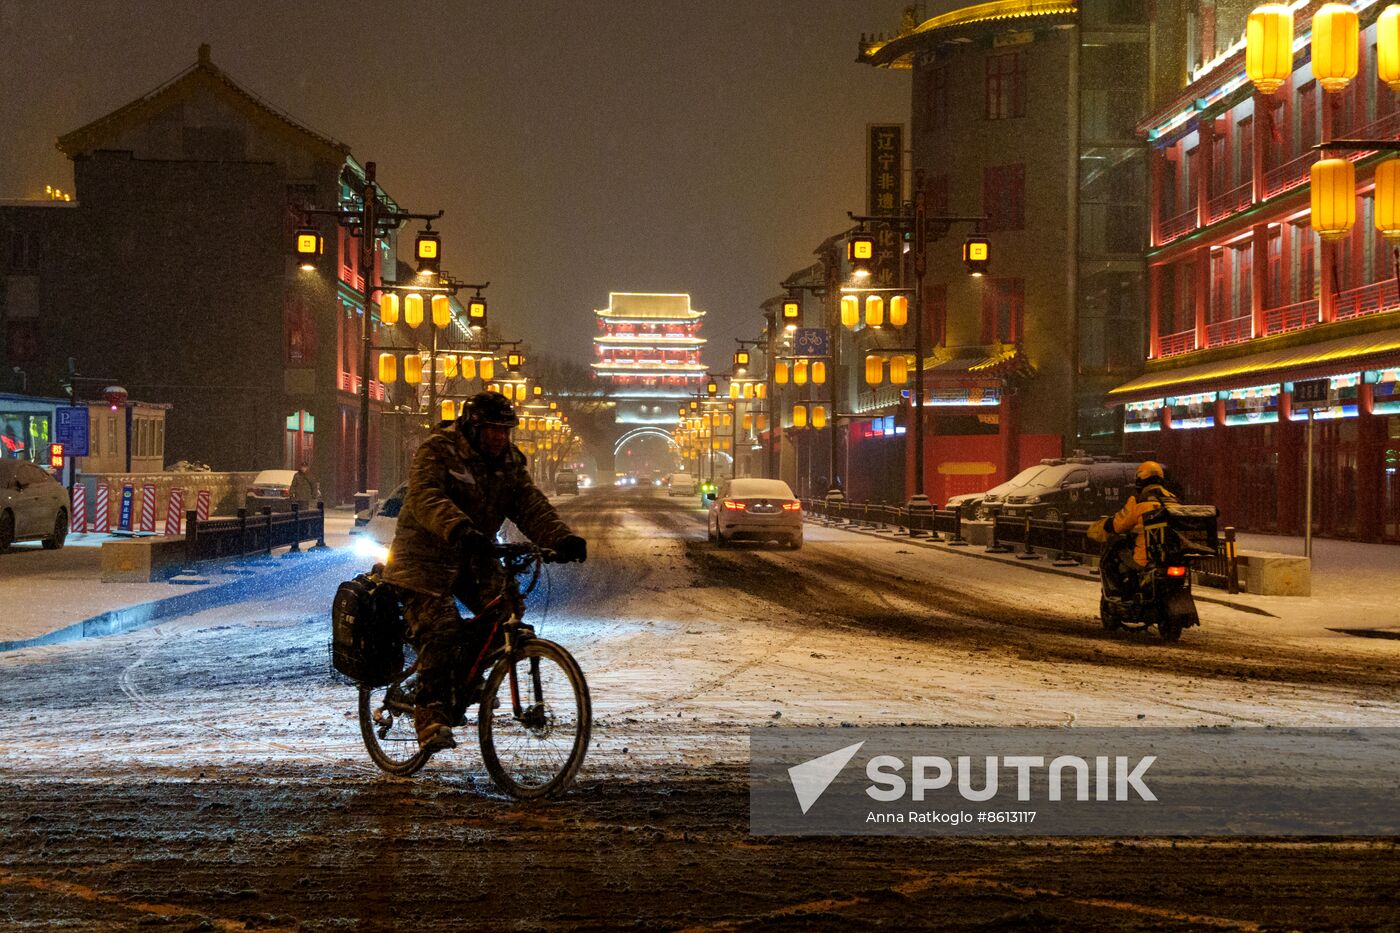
x=1176, y=571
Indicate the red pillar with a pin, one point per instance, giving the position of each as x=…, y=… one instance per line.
x=1203, y=283
x=1008, y=431
x=1260, y=275
x=1263, y=115
x=1290, y=477
x=1204, y=158
x=1159, y=158
x=1154, y=311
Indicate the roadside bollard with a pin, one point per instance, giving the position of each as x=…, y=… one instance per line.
x=1232, y=571
x=296, y=530
x=267, y=517
x=957, y=539
x=1065, y=558
x=242, y=532
x=1027, y=553
x=320, y=528
x=996, y=547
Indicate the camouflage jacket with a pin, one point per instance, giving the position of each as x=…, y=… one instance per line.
x=452, y=489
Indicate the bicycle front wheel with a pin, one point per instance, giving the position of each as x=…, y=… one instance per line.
x=537, y=751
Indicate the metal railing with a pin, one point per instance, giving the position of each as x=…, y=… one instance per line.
x=1235, y=330
x=1183, y=341
x=1177, y=226
x=1367, y=299
x=1236, y=199
x=1028, y=538
x=1285, y=318
x=1289, y=175
x=247, y=535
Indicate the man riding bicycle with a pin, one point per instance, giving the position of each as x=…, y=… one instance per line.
x=467, y=479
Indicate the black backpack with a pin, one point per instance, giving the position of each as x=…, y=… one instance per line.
x=367, y=631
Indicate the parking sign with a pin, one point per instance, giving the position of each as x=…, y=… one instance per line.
x=71, y=430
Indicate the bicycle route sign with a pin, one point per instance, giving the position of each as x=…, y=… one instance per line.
x=811, y=341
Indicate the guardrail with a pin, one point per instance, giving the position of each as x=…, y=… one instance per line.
x=251, y=534
x=1033, y=536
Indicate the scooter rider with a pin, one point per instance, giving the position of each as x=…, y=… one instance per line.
x=467, y=478
x=1150, y=496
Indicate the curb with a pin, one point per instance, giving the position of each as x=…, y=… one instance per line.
x=141, y=615
x=1025, y=564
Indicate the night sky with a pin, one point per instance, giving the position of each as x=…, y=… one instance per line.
x=576, y=147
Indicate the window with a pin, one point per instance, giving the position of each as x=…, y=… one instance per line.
x=1307, y=118
x=1242, y=293
x=1244, y=149
x=1006, y=86
x=26, y=251
x=1220, y=160
x=936, y=102
x=1305, y=275
x=1219, y=285
x=1274, y=140
x=1003, y=310
x=1004, y=197
x=1273, y=281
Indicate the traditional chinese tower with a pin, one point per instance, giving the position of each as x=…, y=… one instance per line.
x=648, y=350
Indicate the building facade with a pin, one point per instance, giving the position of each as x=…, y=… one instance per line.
x=1023, y=114
x=648, y=348
x=1246, y=299
x=170, y=274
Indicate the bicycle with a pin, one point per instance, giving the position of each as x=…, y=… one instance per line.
x=537, y=747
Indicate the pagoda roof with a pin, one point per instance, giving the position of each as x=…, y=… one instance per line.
x=646, y=306
x=202, y=75
x=899, y=51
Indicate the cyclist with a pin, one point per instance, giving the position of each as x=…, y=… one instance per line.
x=467, y=478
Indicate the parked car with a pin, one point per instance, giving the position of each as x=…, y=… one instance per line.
x=279, y=489
x=972, y=504
x=755, y=510
x=373, y=539
x=1080, y=489
x=32, y=505
x=565, y=481
x=681, y=484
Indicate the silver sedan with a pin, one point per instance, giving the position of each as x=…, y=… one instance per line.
x=755, y=510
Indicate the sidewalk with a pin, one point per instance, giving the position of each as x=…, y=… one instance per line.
x=1355, y=586
x=52, y=596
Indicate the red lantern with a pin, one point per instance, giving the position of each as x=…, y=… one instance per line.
x=115, y=396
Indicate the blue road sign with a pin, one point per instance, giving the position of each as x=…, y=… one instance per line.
x=71, y=430
x=811, y=341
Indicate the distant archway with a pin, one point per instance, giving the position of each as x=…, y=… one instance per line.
x=636, y=433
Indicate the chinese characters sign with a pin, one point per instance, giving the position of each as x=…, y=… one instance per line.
x=884, y=173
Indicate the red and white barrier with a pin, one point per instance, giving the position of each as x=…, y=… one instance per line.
x=78, y=523
x=201, y=509
x=148, y=507
x=101, y=519
x=175, y=511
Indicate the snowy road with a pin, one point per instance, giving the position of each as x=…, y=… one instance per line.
x=209, y=771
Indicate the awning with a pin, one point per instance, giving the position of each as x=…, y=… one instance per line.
x=1306, y=361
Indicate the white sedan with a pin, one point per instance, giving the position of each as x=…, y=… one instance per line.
x=755, y=510
x=32, y=505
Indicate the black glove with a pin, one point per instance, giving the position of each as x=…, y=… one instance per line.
x=571, y=549
x=471, y=543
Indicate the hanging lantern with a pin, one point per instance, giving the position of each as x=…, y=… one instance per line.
x=762, y=421
x=1333, y=197
x=468, y=367
x=449, y=366
x=799, y=373
x=537, y=391
x=488, y=369
x=748, y=422
x=760, y=391
x=874, y=370
x=874, y=310
x=1388, y=46
x=899, y=370
x=899, y=311
x=724, y=442
x=818, y=416
x=799, y=416
x=818, y=373
x=413, y=310
x=476, y=311
x=448, y=409
x=733, y=390
x=388, y=368
x=728, y=421
x=389, y=308
x=492, y=387
x=413, y=369
x=1336, y=41
x=748, y=390
x=850, y=310
x=508, y=391
x=1269, y=47
x=780, y=373
x=442, y=311
x=1388, y=193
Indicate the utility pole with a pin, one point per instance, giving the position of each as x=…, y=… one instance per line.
x=772, y=406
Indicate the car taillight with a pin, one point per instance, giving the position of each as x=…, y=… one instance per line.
x=734, y=505
x=1176, y=571
x=792, y=506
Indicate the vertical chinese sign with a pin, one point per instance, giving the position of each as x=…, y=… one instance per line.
x=885, y=177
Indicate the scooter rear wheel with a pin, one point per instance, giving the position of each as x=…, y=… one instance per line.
x=1178, y=613
x=1108, y=615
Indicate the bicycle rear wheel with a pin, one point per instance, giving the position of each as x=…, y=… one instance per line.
x=537, y=753
x=386, y=723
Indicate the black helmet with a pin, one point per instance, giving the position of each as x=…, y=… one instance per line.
x=488, y=408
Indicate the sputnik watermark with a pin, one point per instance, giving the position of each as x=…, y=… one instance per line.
x=956, y=781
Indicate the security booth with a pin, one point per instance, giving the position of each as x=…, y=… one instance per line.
x=27, y=427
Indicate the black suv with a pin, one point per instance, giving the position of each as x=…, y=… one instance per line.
x=1079, y=489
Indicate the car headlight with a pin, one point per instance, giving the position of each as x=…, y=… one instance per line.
x=370, y=549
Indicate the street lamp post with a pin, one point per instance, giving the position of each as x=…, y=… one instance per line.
x=833, y=491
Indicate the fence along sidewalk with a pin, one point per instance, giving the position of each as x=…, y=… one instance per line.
x=246, y=535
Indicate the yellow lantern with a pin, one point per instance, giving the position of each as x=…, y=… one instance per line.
x=874, y=370
x=818, y=416
x=899, y=311
x=850, y=310
x=1388, y=192
x=448, y=409
x=799, y=373
x=762, y=422
x=728, y=421
x=818, y=373
x=442, y=311
x=449, y=366
x=1333, y=197
x=724, y=442
x=1268, y=54
x=799, y=416
x=899, y=370
x=748, y=422
x=413, y=310
x=780, y=373
x=492, y=387
x=734, y=390
x=389, y=308
x=508, y=391
x=1388, y=47
x=413, y=369
x=388, y=368
x=874, y=310
x=488, y=369
x=749, y=389
x=468, y=367
x=1336, y=40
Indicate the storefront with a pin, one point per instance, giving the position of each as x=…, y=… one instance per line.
x=26, y=427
